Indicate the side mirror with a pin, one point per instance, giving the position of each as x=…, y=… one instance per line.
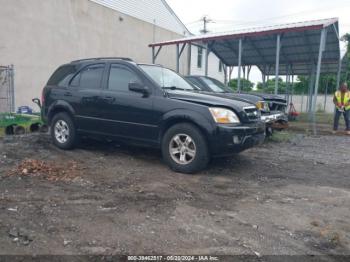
x=37, y=101
x=138, y=88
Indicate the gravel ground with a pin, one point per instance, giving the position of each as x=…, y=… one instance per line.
x=289, y=198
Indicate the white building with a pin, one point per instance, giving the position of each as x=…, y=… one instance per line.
x=37, y=36
x=215, y=67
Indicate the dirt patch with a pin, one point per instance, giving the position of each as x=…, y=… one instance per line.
x=47, y=170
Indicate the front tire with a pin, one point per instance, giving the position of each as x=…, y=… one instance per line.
x=185, y=149
x=63, y=132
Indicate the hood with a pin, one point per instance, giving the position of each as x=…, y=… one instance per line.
x=271, y=97
x=209, y=99
x=249, y=97
x=229, y=96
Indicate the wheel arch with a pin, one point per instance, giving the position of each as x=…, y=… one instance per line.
x=60, y=107
x=193, y=118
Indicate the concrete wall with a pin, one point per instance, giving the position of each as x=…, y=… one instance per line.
x=37, y=36
x=213, y=65
x=300, y=103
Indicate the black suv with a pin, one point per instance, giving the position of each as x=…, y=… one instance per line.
x=143, y=104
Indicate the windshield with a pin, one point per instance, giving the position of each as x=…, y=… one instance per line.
x=215, y=85
x=166, y=78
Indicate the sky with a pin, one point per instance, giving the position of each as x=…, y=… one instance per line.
x=229, y=15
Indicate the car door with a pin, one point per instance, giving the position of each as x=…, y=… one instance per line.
x=127, y=113
x=85, y=93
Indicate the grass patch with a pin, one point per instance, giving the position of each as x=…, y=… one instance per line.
x=321, y=118
x=280, y=137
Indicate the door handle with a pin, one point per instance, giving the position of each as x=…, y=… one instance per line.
x=108, y=98
x=67, y=94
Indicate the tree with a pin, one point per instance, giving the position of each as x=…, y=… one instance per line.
x=328, y=82
x=246, y=85
x=269, y=86
x=301, y=85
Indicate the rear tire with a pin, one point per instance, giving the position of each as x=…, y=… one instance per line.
x=63, y=132
x=185, y=149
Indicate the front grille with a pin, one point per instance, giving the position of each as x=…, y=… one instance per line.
x=252, y=113
x=277, y=104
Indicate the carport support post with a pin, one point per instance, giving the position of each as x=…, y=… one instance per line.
x=239, y=65
x=311, y=84
x=291, y=97
x=287, y=83
x=248, y=72
x=230, y=70
x=189, y=58
x=177, y=58
x=207, y=51
x=224, y=67
x=263, y=80
x=153, y=55
x=318, y=71
x=339, y=71
x=278, y=49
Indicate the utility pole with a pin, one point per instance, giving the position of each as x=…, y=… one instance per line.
x=206, y=20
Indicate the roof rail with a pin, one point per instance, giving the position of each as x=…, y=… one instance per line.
x=103, y=58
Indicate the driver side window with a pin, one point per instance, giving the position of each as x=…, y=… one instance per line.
x=120, y=77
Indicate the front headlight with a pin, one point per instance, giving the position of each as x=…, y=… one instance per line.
x=223, y=115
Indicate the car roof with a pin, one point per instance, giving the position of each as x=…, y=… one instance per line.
x=102, y=59
x=199, y=76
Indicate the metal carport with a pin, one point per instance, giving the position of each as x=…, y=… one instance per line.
x=281, y=47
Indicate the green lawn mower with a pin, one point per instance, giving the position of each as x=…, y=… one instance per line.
x=19, y=124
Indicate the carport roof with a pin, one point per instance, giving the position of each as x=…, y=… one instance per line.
x=304, y=68
x=300, y=44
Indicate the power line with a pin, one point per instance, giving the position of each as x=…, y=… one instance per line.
x=277, y=17
x=194, y=22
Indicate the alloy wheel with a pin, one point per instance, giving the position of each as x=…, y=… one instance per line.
x=182, y=149
x=61, y=131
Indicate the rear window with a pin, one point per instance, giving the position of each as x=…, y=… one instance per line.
x=62, y=76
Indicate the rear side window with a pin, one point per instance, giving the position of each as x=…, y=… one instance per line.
x=90, y=77
x=120, y=77
x=62, y=76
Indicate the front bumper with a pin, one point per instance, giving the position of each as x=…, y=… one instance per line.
x=273, y=117
x=275, y=121
x=229, y=140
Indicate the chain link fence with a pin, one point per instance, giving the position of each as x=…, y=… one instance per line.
x=7, y=91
